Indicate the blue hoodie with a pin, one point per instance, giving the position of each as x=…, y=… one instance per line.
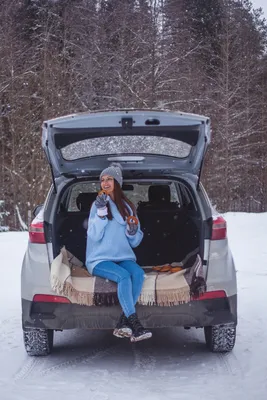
x=108, y=240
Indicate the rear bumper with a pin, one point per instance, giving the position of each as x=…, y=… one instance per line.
x=197, y=313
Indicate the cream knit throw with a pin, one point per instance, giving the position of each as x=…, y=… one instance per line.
x=70, y=279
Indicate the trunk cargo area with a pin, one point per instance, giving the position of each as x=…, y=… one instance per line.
x=171, y=230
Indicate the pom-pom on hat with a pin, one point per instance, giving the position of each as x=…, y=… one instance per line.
x=114, y=170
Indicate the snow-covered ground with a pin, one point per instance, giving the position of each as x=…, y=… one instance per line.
x=174, y=364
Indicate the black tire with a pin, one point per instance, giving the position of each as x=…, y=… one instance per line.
x=220, y=338
x=38, y=342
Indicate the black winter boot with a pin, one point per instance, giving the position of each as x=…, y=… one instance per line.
x=123, y=328
x=139, y=332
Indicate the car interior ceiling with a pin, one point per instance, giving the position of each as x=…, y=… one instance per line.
x=167, y=227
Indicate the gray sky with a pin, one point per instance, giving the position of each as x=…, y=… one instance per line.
x=262, y=4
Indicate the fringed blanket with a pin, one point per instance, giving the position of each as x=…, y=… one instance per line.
x=69, y=278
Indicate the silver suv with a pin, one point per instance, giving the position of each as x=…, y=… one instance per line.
x=162, y=155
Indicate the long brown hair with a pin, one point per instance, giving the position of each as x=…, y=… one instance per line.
x=120, y=199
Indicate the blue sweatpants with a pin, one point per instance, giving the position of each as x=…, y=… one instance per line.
x=130, y=278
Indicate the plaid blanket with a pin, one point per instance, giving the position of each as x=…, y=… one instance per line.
x=71, y=279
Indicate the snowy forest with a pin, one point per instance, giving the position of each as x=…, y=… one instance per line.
x=201, y=56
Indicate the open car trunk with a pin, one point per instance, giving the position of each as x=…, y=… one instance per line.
x=167, y=212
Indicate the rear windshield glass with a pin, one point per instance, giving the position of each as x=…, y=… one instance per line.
x=126, y=145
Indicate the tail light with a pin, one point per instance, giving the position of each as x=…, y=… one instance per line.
x=48, y=298
x=216, y=294
x=219, y=228
x=36, y=232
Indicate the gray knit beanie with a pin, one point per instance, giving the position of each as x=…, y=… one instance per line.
x=113, y=170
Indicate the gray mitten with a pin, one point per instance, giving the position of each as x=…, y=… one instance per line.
x=132, y=225
x=132, y=229
x=101, y=200
x=101, y=204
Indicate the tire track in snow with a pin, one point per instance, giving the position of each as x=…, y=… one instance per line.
x=26, y=368
x=87, y=358
x=31, y=363
x=229, y=363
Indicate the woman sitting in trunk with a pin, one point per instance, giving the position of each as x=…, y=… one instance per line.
x=111, y=235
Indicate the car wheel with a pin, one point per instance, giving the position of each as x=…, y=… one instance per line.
x=38, y=342
x=220, y=338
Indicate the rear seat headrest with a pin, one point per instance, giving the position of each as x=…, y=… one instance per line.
x=84, y=201
x=159, y=194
